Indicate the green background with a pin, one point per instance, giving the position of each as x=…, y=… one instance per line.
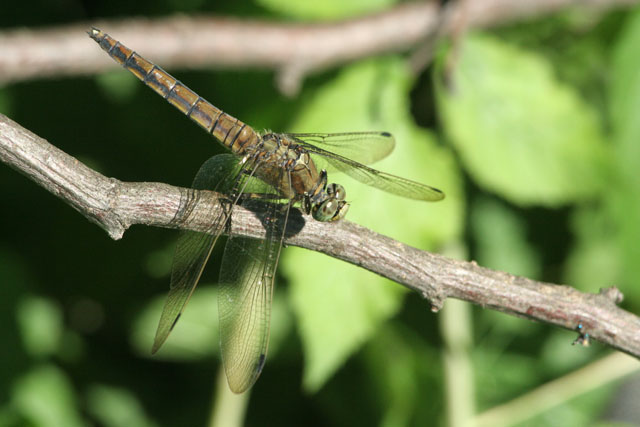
x=532, y=132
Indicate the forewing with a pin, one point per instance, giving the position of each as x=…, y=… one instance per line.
x=244, y=303
x=193, y=248
x=362, y=147
x=381, y=180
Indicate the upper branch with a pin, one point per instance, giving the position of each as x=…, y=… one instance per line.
x=294, y=49
x=115, y=205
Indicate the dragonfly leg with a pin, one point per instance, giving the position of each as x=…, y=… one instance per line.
x=310, y=198
x=261, y=196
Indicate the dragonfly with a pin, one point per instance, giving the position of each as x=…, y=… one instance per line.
x=284, y=169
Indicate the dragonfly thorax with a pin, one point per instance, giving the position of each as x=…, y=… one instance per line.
x=284, y=165
x=288, y=166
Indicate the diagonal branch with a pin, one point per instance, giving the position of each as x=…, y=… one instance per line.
x=115, y=205
x=293, y=49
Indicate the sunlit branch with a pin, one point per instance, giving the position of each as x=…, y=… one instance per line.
x=115, y=205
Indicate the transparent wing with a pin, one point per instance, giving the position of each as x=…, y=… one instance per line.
x=362, y=147
x=244, y=303
x=191, y=255
x=381, y=180
x=219, y=173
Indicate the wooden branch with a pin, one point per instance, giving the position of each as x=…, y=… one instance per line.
x=115, y=205
x=294, y=49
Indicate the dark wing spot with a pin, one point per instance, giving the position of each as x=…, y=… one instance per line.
x=263, y=358
x=173, y=325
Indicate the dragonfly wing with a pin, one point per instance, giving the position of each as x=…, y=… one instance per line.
x=244, y=303
x=362, y=147
x=381, y=180
x=194, y=248
x=191, y=255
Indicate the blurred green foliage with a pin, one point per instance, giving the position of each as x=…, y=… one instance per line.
x=531, y=130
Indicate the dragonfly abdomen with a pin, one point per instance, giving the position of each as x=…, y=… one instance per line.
x=231, y=132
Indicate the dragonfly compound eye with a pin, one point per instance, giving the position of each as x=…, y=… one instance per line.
x=330, y=210
x=325, y=210
x=336, y=191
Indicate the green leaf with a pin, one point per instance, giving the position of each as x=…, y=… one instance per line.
x=625, y=85
x=594, y=261
x=373, y=96
x=15, y=279
x=117, y=86
x=501, y=375
x=116, y=407
x=45, y=397
x=325, y=9
x=340, y=306
x=6, y=103
x=501, y=241
x=196, y=334
x=41, y=325
x=624, y=197
x=393, y=364
x=520, y=132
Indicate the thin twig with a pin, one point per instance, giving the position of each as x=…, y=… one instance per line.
x=595, y=375
x=116, y=205
x=293, y=49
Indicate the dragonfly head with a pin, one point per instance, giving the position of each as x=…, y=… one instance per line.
x=331, y=206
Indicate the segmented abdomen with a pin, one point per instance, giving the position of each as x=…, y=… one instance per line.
x=231, y=132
